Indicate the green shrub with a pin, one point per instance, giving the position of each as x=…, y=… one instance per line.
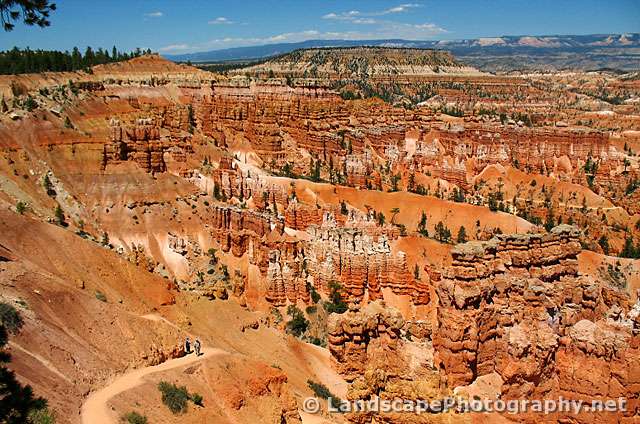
x=30, y=104
x=174, y=397
x=316, y=341
x=10, y=318
x=134, y=418
x=298, y=324
x=315, y=296
x=21, y=207
x=336, y=303
x=100, y=296
x=196, y=398
x=277, y=316
x=322, y=391
x=319, y=389
x=604, y=244
x=41, y=416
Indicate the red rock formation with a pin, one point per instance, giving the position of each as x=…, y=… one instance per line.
x=300, y=215
x=143, y=144
x=287, y=280
x=516, y=306
x=359, y=335
x=533, y=149
x=360, y=259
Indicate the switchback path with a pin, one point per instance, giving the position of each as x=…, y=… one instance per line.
x=95, y=409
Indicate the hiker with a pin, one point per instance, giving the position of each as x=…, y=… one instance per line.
x=187, y=346
x=196, y=347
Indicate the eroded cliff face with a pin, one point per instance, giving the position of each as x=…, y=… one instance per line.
x=515, y=316
x=355, y=254
x=517, y=306
x=361, y=336
x=372, y=348
x=482, y=146
x=270, y=114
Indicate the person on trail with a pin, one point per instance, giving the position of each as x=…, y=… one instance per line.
x=187, y=346
x=196, y=347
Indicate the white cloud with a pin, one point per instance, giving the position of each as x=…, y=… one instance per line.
x=154, y=14
x=385, y=30
x=375, y=29
x=175, y=48
x=344, y=16
x=409, y=31
x=364, y=21
x=355, y=16
x=401, y=8
x=220, y=21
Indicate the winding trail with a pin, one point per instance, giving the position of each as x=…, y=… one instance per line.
x=95, y=409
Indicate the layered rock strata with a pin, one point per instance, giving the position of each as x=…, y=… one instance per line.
x=516, y=306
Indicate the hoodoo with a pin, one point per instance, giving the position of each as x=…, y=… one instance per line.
x=332, y=231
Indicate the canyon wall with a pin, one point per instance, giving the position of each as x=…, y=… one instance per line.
x=517, y=306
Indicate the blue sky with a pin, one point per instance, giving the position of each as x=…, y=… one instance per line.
x=199, y=25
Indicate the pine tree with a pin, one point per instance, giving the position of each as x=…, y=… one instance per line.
x=59, y=214
x=439, y=230
x=549, y=222
x=18, y=404
x=316, y=171
x=629, y=250
x=458, y=195
x=422, y=225
x=48, y=186
x=394, y=182
x=493, y=202
x=604, y=244
x=89, y=57
x=32, y=12
x=343, y=208
x=443, y=234
x=462, y=235
x=76, y=59
x=18, y=61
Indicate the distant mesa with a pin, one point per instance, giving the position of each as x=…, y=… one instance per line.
x=585, y=52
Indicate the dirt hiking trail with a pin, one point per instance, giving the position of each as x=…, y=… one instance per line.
x=95, y=409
